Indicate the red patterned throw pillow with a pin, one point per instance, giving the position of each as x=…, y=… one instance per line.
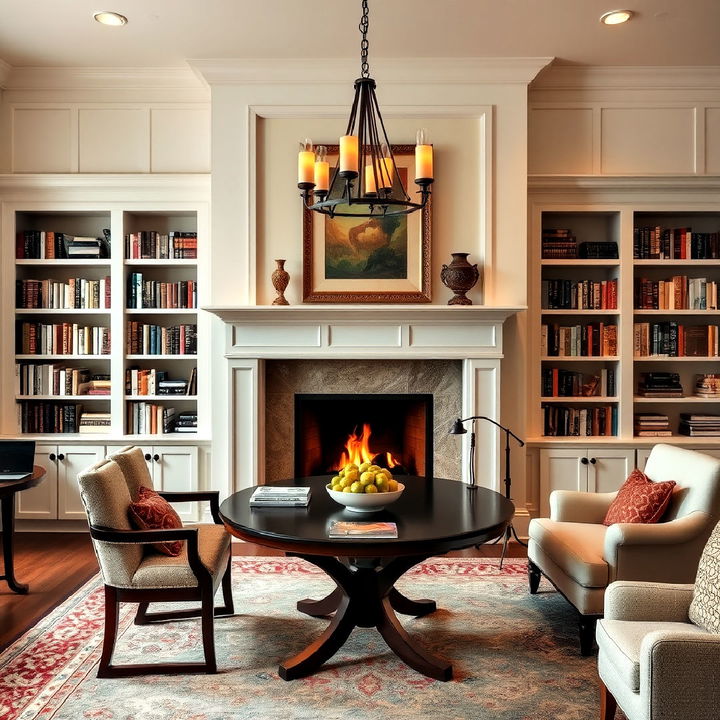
x=639, y=500
x=152, y=512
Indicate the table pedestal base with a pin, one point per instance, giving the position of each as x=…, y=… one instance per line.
x=7, y=505
x=365, y=596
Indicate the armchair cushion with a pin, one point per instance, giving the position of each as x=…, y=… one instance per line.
x=621, y=642
x=577, y=548
x=705, y=605
x=151, y=512
x=131, y=460
x=161, y=571
x=639, y=500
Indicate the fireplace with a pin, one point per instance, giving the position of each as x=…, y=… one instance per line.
x=390, y=430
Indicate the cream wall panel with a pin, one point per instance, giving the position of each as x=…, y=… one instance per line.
x=647, y=141
x=114, y=140
x=712, y=141
x=560, y=140
x=180, y=139
x=42, y=140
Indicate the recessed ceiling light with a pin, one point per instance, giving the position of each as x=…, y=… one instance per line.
x=615, y=17
x=106, y=17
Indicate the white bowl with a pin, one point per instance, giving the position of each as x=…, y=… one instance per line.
x=365, y=502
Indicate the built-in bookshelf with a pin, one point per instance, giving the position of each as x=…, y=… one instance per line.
x=627, y=330
x=102, y=297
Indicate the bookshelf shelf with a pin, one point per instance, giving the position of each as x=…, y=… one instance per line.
x=62, y=311
x=170, y=262
x=679, y=263
x=66, y=262
x=63, y=398
x=676, y=401
x=161, y=357
x=683, y=359
x=579, y=358
x=161, y=311
x=580, y=399
x=63, y=357
x=710, y=313
x=579, y=262
x=154, y=398
x=589, y=313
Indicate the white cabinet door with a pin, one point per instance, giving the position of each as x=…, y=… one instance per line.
x=561, y=469
x=175, y=469
x=72, y=460
x=610, y=469
x=40, y=502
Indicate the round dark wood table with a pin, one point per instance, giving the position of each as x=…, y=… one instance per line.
x=433, y=517
x=8, y=488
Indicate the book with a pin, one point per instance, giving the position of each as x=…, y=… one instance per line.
x=274, y=496
x=345, y=528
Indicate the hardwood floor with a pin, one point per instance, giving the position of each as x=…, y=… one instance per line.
x=56, y=564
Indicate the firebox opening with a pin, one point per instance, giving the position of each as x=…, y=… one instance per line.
x=390, y=430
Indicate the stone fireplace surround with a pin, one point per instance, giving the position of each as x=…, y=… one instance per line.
x=471, y=335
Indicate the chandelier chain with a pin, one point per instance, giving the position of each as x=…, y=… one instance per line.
x=364, y=44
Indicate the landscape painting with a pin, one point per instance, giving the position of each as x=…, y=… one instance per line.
x=368, y=259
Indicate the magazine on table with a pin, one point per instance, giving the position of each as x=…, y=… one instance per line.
x=275, y=496
x=345, y=528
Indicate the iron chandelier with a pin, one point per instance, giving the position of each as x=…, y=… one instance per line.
x=365, y=180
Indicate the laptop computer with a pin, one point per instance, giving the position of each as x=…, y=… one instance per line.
x=16, y=459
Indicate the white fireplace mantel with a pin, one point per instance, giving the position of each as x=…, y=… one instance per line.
x=472, y=334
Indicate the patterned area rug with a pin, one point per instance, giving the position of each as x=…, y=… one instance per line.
x=515, y=656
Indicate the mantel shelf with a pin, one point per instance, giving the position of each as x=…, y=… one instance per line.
x=263, y=314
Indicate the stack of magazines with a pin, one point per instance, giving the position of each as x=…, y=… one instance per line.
x=273, y=496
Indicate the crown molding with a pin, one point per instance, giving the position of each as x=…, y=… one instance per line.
x=561, y=77
x=568, y=183
x=407, y=71
x=96, y=78
x=102, y=181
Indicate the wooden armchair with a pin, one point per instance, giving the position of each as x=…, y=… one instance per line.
x=133, y=575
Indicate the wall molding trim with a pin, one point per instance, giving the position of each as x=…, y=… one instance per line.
x=117, y=181
x=406, y=71
x=559, y=77
x=96, y=78
x=563, y=184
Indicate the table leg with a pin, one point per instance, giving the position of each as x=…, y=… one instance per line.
x=8, y=532
x=365, y=597
x=321, y=608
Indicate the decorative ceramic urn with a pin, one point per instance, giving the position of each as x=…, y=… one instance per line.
x=459, y=276
x=280, y=280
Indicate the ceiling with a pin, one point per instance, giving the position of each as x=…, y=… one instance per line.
x=164, y=33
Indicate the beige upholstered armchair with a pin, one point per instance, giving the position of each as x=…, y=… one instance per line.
x=652, y=660
x=580, y=556
x=133, y=573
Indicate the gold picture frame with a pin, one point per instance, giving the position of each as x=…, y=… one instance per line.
x=369, y=260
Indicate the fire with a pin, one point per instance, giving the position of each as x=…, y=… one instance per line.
x=357, y=450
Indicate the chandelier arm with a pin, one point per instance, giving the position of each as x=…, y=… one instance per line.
x=362, y=120
x=384, y=132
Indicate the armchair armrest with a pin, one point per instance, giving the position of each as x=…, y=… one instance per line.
x=581, y=507
x=648, y=601
x=678, y=672
x=150, y=537
x=666, y=552
x=193, y=496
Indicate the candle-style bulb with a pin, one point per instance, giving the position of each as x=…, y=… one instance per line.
x=306, y=145
x=421, y=137
x=322, y=170
x=306, y=163
x=423, y=159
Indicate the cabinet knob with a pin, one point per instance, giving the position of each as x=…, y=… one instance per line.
x=52, y=457
x=584, y=461
x=156, y=457
x=61, y=456
x=593, y=461
x=148, y=457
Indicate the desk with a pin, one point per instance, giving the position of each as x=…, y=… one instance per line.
x=433, y=515
x=7, y=503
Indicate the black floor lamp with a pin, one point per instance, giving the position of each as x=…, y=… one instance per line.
x=458, y=429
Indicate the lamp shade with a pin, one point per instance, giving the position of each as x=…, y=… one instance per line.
x=457, y=428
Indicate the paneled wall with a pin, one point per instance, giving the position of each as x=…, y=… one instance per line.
x=625, y=121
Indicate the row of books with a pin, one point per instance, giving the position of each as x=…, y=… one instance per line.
x=52, y=245
x=671, y=339
x=71, y=294
x=652, y=425
x=62, y=339
x=157, y=294
x=145, y=339
x=660, y=385
x=55, y=379
x=658, y=243
x=150, y=244
x=186, y=423
x=708, y=385
x=678, y=293
x=558, y=382
x=158, y=382
x=94, y=422
x=562, y=421
x=49, y=417
x=145, y=418
x=596, y=339
x=579, y=294
x=558, y=243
